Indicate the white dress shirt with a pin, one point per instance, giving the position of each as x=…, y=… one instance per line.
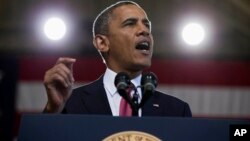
x=114, y=97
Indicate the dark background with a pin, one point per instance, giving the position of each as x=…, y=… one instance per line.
x=227, y=22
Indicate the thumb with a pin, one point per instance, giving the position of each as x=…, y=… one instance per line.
x=70, y=66
x=69, y=63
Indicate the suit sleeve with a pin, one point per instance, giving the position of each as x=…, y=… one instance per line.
x=187, y=111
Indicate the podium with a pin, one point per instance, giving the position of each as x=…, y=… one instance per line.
x=60, y=127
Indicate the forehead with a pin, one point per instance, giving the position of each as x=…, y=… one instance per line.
x=128, y=11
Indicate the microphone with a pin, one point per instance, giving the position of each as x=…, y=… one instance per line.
x=122, y=81
x=149, y=83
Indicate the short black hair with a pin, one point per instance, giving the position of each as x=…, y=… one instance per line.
x=100, y=25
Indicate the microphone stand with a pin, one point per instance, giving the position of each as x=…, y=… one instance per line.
x=135, y=111
x=145, y=96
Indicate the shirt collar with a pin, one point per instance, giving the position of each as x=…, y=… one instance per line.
x=109, y=78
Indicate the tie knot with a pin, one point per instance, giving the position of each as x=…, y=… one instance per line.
x=131, y=85
x=131, y=88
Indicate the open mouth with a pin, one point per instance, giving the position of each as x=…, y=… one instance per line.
x=143, y=46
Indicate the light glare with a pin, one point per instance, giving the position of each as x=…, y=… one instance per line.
x=193, y=34
x=55, y=28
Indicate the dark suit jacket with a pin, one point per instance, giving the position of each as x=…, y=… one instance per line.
x=92, y=99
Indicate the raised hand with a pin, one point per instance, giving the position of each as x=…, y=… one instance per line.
x=58, y=82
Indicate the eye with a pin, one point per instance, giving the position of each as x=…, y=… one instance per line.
x=129, y=24
x=147, y=24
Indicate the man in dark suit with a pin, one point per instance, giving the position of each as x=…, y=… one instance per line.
x=122, y=35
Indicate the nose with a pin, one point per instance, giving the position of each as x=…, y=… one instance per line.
x=143, y=30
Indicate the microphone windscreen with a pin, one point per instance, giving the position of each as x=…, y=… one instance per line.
x=122, y=80
x=149, y=78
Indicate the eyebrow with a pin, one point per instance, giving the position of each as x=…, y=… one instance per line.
x=145, y=20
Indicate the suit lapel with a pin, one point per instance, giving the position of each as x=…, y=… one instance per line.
x=96, y=101
x=152, y=107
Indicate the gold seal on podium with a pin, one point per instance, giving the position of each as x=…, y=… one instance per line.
x=131, y=136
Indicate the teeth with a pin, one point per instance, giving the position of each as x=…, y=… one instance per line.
x=145, y=43
x=143, y=46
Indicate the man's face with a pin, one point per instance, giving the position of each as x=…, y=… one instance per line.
x=130, y=39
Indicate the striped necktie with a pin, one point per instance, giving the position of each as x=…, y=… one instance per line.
x=125, y=108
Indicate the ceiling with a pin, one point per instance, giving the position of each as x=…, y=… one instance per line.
x=226, y=20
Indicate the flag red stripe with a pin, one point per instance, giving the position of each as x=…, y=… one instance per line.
x=203, y=72
x=181, y=72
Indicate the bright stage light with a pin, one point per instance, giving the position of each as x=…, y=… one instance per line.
x=193, y=34
x=54, y=28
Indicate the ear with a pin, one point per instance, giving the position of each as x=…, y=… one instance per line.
x=101, y=43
